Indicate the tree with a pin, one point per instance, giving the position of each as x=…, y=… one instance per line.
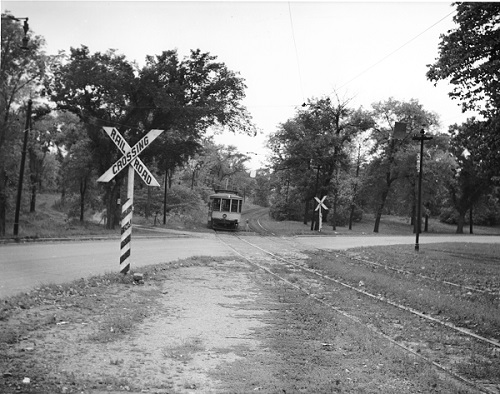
x=390, y=155
x=181, y=97
x=187, y=97
x=101, y=90
x=469, y=57
x=309, y=149
x=80, y=173
x=473, y=172
x=21, y=72
x=66, y=130
x=38, y=150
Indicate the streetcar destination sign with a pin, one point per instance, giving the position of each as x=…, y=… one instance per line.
x=130, y=156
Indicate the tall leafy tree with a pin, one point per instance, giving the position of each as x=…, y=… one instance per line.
x=100, y=89
x=21, y=71
x=80, y=173
x=474, y=167
x=469, y=57
x=182, y=97
x=310, y=148
x=390, y=157
x=38, y=151
x=186, y=97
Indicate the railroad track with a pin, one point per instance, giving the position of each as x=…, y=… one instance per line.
x=261, y=230
x=434, y=341
x=254, y=217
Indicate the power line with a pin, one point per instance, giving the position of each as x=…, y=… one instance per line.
x=396, y=50
x=296, y=52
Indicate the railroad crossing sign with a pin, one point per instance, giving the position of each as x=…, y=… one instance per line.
x=130, y=160
x=130, y=156
x=318, y=208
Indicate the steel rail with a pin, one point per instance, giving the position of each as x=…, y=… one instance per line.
x=402, y=271
x=383, y=299
x=348, y=316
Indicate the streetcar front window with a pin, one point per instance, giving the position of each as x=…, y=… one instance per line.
x=226, y=203
x=234, y=206
x=216, y=204
x=240, y=204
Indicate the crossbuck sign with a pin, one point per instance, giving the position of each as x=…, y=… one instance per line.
x=318, y=208
x=131, y=160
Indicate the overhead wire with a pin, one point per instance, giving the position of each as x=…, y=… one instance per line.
x=296, y=51
x=397, y=49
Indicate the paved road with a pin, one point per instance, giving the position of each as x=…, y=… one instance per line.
x=25, y=266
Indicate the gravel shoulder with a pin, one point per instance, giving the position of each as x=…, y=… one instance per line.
x=195, y=320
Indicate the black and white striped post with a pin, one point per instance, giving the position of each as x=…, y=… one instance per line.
x=131, y=161
x=126, y=224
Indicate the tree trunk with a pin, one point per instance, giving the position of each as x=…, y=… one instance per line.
x=3, y=200
x=83, y=190
x=33, y=196
x=355, y=188
x=193, y=176
x=471, y=223
x=461, y=221
x=313, y=218
x=112, y=208
x=334, y=213
x=63, y=195
x=34, y=169
x=378, y=214
x=165, y=198
x=351, y=216
x=147, y=211
x=306, y=211
x=426, y=224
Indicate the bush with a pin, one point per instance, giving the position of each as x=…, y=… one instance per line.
x=287, y=210
x=483, y=215
x=179, y=198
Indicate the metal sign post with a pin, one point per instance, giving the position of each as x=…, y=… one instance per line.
x=318, y=208
x=130, y=160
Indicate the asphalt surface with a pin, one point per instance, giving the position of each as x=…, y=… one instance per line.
x=28, y=265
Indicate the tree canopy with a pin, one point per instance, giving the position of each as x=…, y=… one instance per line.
x=469, y=57
x=184, y=97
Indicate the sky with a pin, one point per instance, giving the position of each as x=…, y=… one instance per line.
x=287, y=52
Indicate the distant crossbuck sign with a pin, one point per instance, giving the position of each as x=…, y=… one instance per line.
x=318, y=208
x=130, y=160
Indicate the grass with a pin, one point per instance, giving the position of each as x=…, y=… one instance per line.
x=389, y=225
x=185, y=350
x=470, y=264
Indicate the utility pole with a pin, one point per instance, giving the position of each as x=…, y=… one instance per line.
x=422, y=137
x=27, y=128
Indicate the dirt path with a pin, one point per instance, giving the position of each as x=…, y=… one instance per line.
x=206, y=317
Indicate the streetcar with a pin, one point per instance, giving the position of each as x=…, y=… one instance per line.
x=224, y=210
